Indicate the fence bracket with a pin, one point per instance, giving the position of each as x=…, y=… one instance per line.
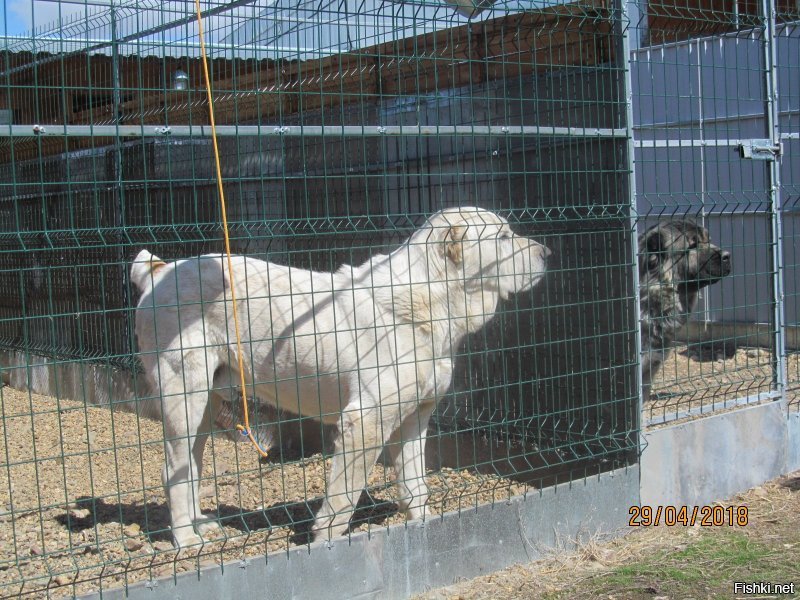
x=760, y=149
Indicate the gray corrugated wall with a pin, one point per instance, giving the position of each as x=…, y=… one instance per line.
x=713, y=89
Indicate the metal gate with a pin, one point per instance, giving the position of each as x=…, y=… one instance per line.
x=715, y=118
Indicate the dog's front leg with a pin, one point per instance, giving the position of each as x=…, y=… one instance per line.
x=356, y=450
x=407, y=444
x=407, y=452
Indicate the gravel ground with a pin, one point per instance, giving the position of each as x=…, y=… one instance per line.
x=81, y=504
x=702, y=378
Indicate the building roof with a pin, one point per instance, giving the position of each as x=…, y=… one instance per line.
x=260, y=29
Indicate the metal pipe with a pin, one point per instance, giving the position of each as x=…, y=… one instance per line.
x=691, y=143
x=736, y=118
x=138, y=131
x=774, y=190
x=715, y=405
x=703, y=184
x=709, y=38
x=624, y=55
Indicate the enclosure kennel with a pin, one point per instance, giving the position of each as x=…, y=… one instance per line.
x=341, y=127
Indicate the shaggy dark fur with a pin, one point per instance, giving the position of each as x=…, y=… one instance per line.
x=676, y=261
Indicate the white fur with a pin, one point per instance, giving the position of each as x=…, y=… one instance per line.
x=368, y=348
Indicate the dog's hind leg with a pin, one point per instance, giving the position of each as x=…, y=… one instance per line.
x=185, y=383
x=357, y=447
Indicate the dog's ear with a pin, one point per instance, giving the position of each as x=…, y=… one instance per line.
x=145, y=265
x=654, y=248
x=453, y=238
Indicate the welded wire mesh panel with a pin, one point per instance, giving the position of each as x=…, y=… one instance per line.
x=702, y=78
x=787, y=46
x=394, y=341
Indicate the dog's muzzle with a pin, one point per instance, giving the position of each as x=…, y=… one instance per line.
x=725, y=259
x=716, y=266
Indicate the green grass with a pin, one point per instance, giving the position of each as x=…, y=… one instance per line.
x=702, y=567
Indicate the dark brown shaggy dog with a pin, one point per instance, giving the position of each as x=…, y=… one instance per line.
x=676, y=261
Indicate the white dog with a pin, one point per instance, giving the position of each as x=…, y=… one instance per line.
x=368, y=348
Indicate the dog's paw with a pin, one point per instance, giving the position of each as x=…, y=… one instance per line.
x=209, y=528
x=415, y=512
x=329, y=528
x=186, y=538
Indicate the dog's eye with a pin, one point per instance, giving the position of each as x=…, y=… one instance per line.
x=693, y=243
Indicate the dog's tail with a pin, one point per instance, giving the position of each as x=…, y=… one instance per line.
x=145, y=265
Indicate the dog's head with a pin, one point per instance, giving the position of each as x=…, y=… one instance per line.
x=479, y=248
x=680, y=253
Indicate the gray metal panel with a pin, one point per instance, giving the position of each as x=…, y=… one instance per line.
x=732, y=75
x=409, y=559
x=712, y=89
x=94, y=383
x=790, y=197
x=746, y=295
x=793, y=454
x=709, y=89
x=787, y=47
x=687, y=83
x=656, y=74
x=735, y=127
x=668, y=181
x=708, y=459
x=732, y=183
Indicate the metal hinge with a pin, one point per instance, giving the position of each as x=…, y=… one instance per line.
x=760, y=149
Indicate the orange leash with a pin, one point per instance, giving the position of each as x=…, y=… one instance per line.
x=244, y=429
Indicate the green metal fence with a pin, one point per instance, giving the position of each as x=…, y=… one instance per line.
x=342, y=128
x=334, y=148
x=715, y=109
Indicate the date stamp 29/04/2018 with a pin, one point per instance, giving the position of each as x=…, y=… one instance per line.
x=687, y=516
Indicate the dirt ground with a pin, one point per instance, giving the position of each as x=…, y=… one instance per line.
x=706, y=377
x=663, y=563
x=82, y=507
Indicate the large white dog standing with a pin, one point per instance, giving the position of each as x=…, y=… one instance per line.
x=368, y=348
